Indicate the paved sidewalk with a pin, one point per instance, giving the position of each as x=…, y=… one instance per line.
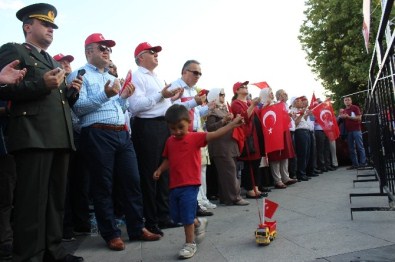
x=313, y=224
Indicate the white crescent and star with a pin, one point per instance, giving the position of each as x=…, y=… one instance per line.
x=323, y=113
x=328, y=123
x=266, y=115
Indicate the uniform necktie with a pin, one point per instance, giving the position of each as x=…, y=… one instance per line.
x=46, y=56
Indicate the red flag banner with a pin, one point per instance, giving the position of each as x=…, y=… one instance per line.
x=313, y=101
x=261, y=85
x=272, y=122
x=128, y=79
x=270, y=208
x=238, y=135
x=326, y=118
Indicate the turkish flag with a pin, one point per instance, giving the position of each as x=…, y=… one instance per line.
x=270, y=208
x=261, y=85
x=238, y=135
x=325, y=117
x=272, y=119
x=128, y=79
x=313, y=101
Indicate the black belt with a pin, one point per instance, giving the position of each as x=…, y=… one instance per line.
x=159, y=118
x=110, y=127
x=302, y=129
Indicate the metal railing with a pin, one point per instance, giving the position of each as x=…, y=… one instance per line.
x=379, y=113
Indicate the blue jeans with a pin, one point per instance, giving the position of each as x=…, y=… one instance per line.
x=354, y=138
x=111, y=153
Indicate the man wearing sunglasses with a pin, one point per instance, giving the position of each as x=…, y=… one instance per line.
x=39, y=137
x=149, y=134
x=106, y=145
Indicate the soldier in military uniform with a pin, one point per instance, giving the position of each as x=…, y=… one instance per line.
x=40, y=138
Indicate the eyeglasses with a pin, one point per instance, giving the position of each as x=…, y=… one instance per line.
x=220, y=94
x=103, y=48
x=151, y=52
x=243, y=86
x=196, y=73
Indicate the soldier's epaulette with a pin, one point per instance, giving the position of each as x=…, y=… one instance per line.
x=27, y=46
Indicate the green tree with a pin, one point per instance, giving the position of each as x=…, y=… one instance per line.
x=331, y=36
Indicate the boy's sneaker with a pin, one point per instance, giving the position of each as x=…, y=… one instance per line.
x=188, y=250
x=200, y=231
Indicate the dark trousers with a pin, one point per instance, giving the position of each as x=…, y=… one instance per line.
x=107, y=153
x=7, y=185
x=292, y=166
x=39, y=204
x=323, y=150
x=302, y=146
x=251, y=166
x=312, y=162
x=76, y=216
x=149, y=137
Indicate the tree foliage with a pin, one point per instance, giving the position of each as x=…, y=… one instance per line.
x=331, y=36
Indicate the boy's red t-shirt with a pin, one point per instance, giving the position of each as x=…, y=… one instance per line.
x=185, y=159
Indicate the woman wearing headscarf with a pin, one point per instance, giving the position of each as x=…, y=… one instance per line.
x=224, y=151
x=278, y=160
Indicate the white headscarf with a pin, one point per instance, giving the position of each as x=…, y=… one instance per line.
x=264, y=96
x=214, y=94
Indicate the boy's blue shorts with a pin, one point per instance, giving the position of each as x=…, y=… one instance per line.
x=183, y=204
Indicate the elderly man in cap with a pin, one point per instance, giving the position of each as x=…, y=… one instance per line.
x=150, y=132
x=40, y=138
x=106, y=144
x=64, y=61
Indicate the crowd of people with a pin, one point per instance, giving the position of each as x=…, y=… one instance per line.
x=155, y=155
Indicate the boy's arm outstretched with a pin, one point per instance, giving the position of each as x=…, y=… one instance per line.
x=237, y=121
x=163, y=167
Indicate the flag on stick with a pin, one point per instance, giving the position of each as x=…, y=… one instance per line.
x=269, y=208
x=272, y=123
x=325, y=117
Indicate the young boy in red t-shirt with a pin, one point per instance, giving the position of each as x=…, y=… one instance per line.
x=183, y=159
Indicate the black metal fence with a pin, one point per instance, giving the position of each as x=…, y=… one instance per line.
x=379, y=113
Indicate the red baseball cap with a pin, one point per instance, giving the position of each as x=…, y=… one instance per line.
x=99, y=38
x=60, y=56
x=146, y=46
x=302, y=97
x=237, y=85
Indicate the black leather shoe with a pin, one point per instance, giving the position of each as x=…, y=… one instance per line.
x=156, y=230
x=304, y=178
x=71, y=258
x=168, y=224
x=204, y=213
x=319, y=171
x=312, y=175
x=330, y=168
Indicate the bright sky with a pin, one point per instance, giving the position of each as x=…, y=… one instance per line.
x=253, y=40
